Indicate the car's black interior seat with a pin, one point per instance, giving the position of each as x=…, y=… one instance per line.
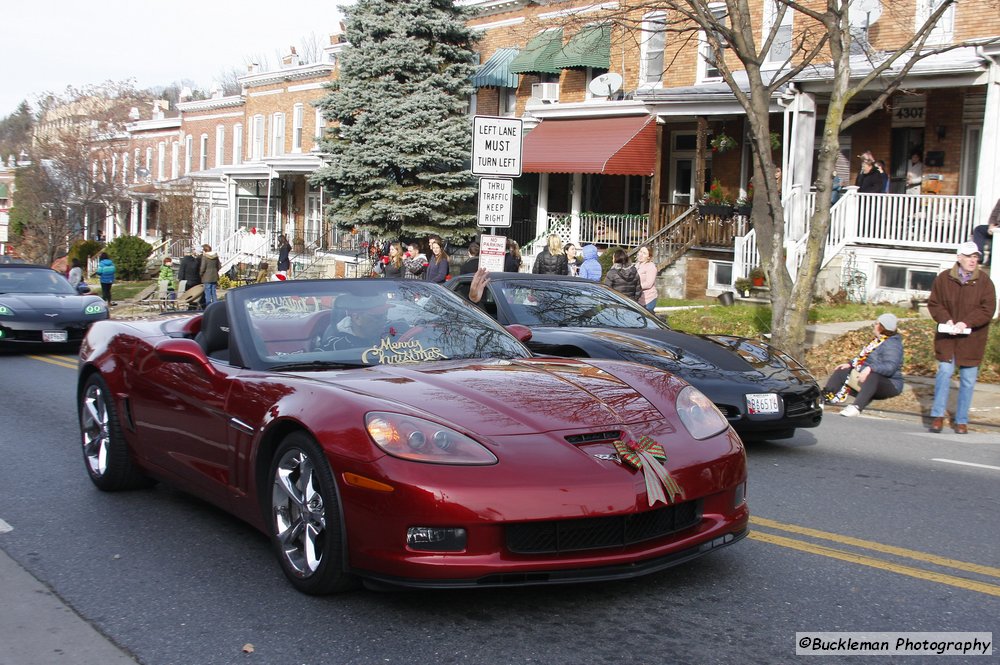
x=214, y=335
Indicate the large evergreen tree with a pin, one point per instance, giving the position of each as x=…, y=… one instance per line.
x=402, y=144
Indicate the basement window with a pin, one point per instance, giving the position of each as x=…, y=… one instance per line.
x=720, y=275
x=905, y=278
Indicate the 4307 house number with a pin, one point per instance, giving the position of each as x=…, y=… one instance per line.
x=910, y=113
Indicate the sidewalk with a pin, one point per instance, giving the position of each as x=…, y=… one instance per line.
x=37, y=628
x=914, y=403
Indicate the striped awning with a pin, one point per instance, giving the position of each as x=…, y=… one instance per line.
x=537, y=57
x=591, y=47
x=614, y=146
x=495, y=72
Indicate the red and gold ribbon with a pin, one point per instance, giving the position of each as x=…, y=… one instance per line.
x=645, y=454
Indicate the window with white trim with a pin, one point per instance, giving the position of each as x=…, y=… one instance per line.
x=149, y=159
x=653, y=42
x=320, y=125
x=507, y=101
x=781, y=47
x=707, y=69
x=220, y=145
x=238, y=143
x=135, y=165
x=175, y=160
x=908, y=278
x=278, y=134
x=944, y=31
x=161, y=160
x=297, y=114
x=125, y=164
x=203, y=153
x=257, y=139
x=188, y=150
x=720, y=275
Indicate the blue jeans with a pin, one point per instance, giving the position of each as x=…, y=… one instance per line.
x=209, y=293
x=651, y=305
x=942, y=386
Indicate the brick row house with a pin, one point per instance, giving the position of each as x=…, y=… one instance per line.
x=613, y=106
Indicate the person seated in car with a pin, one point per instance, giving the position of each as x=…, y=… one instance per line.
x=365, y=325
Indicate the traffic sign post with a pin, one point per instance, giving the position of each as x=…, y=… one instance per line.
x=491, y=252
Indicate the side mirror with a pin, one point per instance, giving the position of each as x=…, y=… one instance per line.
x=522, y=333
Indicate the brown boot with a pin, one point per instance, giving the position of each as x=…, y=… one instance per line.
x=961, y=428
x=937, y=425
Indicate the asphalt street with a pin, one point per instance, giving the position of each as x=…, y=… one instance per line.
x=862, y=524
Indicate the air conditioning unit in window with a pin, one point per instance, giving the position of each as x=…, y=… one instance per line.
x=547, y=93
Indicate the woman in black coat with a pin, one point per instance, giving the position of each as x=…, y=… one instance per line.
x=623, y=277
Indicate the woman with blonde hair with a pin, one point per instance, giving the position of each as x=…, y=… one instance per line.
x=392, y=267
x=647, y=278
x=551, y=260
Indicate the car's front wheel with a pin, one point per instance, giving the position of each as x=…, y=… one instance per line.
x=105, y=452
x=304, y=522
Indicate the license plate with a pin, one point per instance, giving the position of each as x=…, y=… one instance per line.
x=54, y=336
x=762, y=403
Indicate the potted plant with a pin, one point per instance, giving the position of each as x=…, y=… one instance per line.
x=722, y=142
x=757, y=276
x=742, y=286
x=715, y=203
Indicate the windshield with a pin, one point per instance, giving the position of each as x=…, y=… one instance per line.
x=328, y=324
x=34, y=280
x=571, y=303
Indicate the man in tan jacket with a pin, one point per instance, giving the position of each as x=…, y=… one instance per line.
x=962, y=301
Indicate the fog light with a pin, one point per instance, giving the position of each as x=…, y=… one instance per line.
x=740, y=494
x=435, y=539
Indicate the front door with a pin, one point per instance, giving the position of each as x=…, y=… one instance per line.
x=682, y=180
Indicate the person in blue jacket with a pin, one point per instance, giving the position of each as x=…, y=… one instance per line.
x=106, y=272
x=591, y=267
x=878, y=364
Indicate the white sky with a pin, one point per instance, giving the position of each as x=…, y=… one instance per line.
x=49, y=44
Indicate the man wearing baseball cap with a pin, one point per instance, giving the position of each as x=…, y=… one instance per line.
x=962, y=301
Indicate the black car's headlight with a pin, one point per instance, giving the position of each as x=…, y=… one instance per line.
x=6, y=311
x=698, y=414
x=95, y=308
x=421, y=440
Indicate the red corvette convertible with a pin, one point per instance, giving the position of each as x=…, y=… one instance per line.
x=388, y=431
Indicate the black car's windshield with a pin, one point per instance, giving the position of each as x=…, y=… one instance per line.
x=34, y=281
x=570, y=303
x=343, y=323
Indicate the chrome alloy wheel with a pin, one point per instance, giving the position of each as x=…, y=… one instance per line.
x=94, y=424
x=299, y=512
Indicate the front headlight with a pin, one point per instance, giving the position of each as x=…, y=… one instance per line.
x=700, y=416
x=6, y=311
x=95, y=308
x=421, y=440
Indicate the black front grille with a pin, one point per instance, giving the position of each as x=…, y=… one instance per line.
x=593, y=533
x=797, y=405
x=594, y=437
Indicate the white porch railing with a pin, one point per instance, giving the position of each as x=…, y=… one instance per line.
x=900, y=220
x=243, y=247
x=602, y=228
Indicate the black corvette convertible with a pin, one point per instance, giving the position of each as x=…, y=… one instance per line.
x=39, y=307
x=764, y=392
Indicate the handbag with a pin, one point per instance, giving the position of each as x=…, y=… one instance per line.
x=854, y=380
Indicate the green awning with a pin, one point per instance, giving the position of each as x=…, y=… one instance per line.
x=591, y=47
x=537, y=56
x=495, y=72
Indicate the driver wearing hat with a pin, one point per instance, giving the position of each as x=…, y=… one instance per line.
x=365, y=324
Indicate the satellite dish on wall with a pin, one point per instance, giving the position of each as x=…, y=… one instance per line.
x=605, y=85
x=864, y=13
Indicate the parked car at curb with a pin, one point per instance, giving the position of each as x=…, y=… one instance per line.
x=390, y=432
x=763, y=392
x=39, y=307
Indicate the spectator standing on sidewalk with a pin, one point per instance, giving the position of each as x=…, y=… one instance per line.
x=284, y=248
x=209, y=273
x=962, y=301
x=106, y=272
x=878, y=374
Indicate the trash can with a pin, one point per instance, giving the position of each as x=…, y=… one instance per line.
x=726, y=299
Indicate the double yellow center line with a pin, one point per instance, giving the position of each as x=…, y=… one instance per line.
x=61, y=361
x=882, y=564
